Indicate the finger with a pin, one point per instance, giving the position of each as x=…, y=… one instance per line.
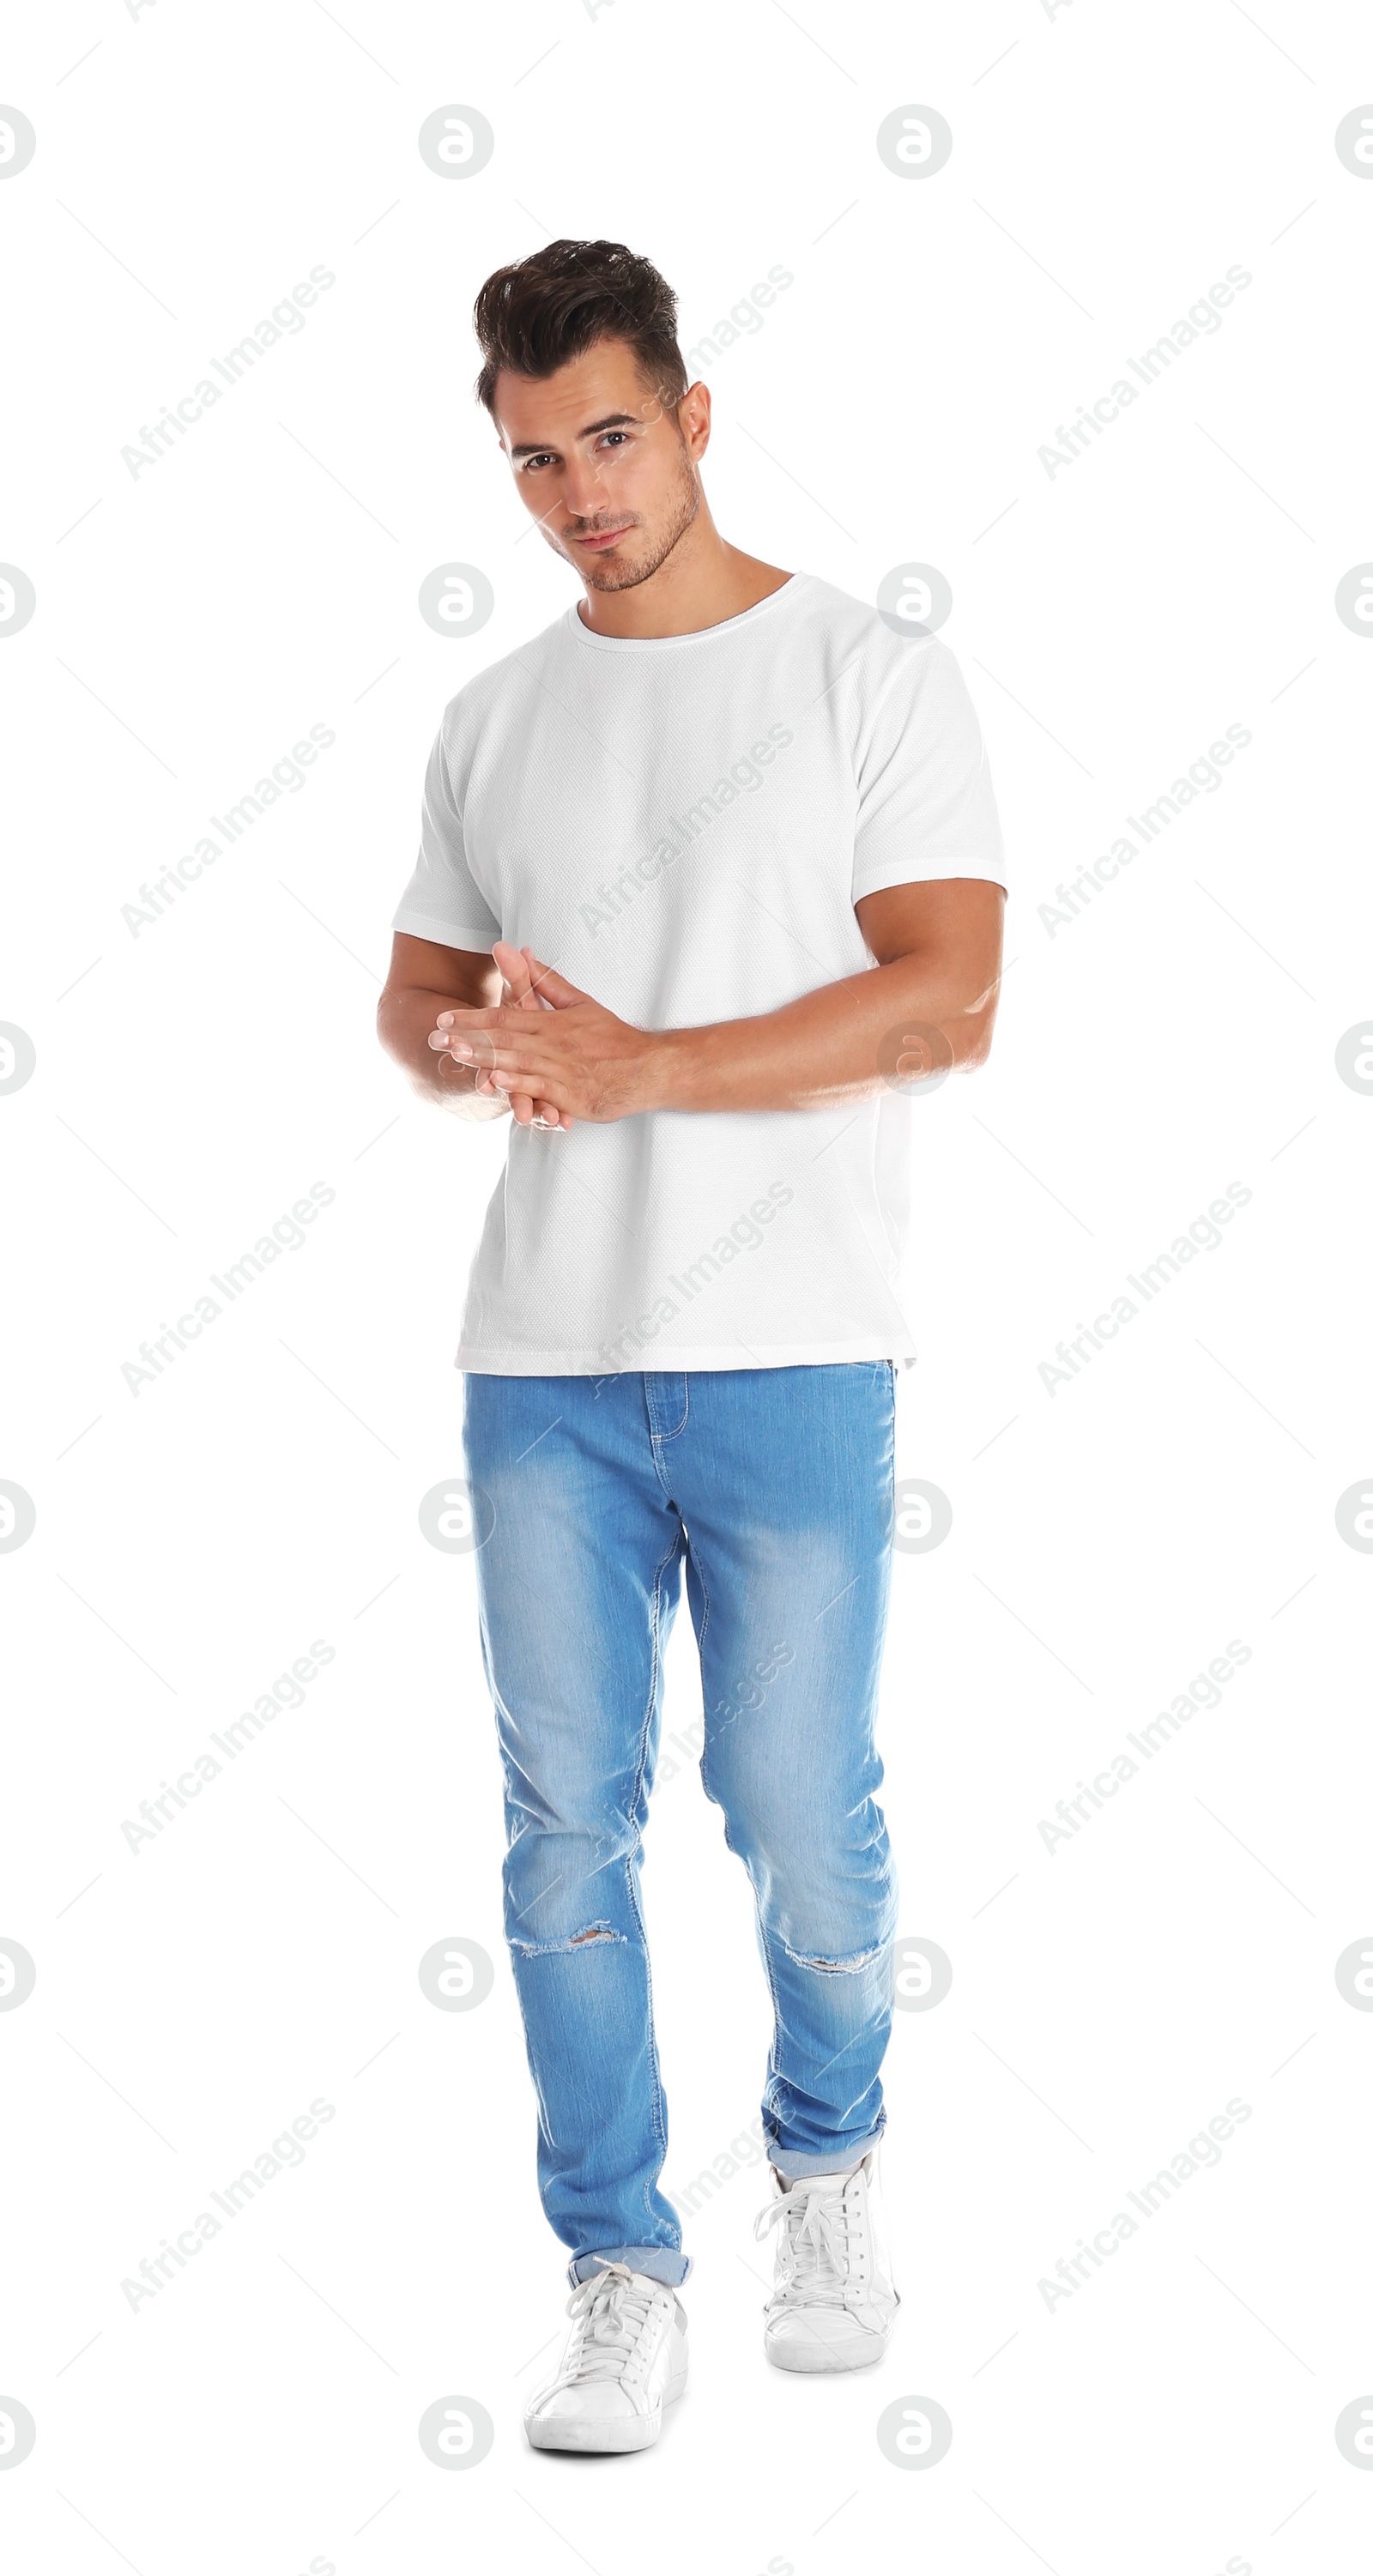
x=521, y=996
x=517, y=986
x=479, y=1050
x=514, y=972
x=554, y=987
x=521, y=1052
x=543, y=1087
x=529, y=1112
x=480, y=1053
x=482, y=1085
x=542, y=1082
x=504, y=1015
x=488, y=1052
x=518, y=993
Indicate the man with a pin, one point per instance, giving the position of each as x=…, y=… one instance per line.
x=710, y=877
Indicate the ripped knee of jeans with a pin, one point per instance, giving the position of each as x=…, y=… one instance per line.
x=848, y=1967
x=591, y=1937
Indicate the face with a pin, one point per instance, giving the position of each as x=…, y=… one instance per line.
x=608, y=472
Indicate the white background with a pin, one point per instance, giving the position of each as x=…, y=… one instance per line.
x=1108, y=1540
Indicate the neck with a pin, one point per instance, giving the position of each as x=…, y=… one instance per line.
x=702, y=582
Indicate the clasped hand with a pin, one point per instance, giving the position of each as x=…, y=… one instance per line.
x=556, y=1054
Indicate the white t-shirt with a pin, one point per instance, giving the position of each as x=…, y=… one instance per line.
x=682, y=826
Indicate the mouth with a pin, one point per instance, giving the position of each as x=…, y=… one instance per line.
x=601, y=538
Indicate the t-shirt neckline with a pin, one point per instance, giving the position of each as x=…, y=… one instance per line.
x=696, y=635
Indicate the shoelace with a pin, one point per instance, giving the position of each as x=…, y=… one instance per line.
x=822, y=2233
x=610, y=2310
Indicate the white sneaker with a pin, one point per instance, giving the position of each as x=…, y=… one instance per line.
x=626, y=2359
x=834, y=2301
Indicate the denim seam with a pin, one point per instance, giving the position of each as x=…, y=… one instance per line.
x=777, y=2020
x=699, y=1563
x=659, y=2125
x=658, y=1437
x=891, y=1419
x=686, y=1408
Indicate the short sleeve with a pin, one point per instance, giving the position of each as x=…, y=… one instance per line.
x=925, y=802
x=441, y=901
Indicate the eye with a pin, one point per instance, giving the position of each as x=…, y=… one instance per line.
x=531, y=461
x=620, y=435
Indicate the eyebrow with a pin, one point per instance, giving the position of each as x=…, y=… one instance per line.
x=612, y=420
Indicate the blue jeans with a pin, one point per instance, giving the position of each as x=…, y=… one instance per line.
x=775, y=1488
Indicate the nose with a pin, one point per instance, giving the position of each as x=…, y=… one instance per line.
x=583, y=494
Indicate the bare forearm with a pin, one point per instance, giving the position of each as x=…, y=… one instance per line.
x=924, y=1010
x=404, y=1021
x=893, y=1024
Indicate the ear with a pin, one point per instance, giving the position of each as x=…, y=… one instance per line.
x=693, y=420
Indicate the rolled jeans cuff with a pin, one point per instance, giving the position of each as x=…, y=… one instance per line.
x=658, y=2261
x=799, y=2168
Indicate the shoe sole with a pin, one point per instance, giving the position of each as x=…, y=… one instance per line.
x=833, y=2358
x=632, y=2433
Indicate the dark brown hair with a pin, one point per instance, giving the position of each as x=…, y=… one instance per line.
x=556, y=304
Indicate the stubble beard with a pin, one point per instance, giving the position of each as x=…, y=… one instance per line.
x=600, y=572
